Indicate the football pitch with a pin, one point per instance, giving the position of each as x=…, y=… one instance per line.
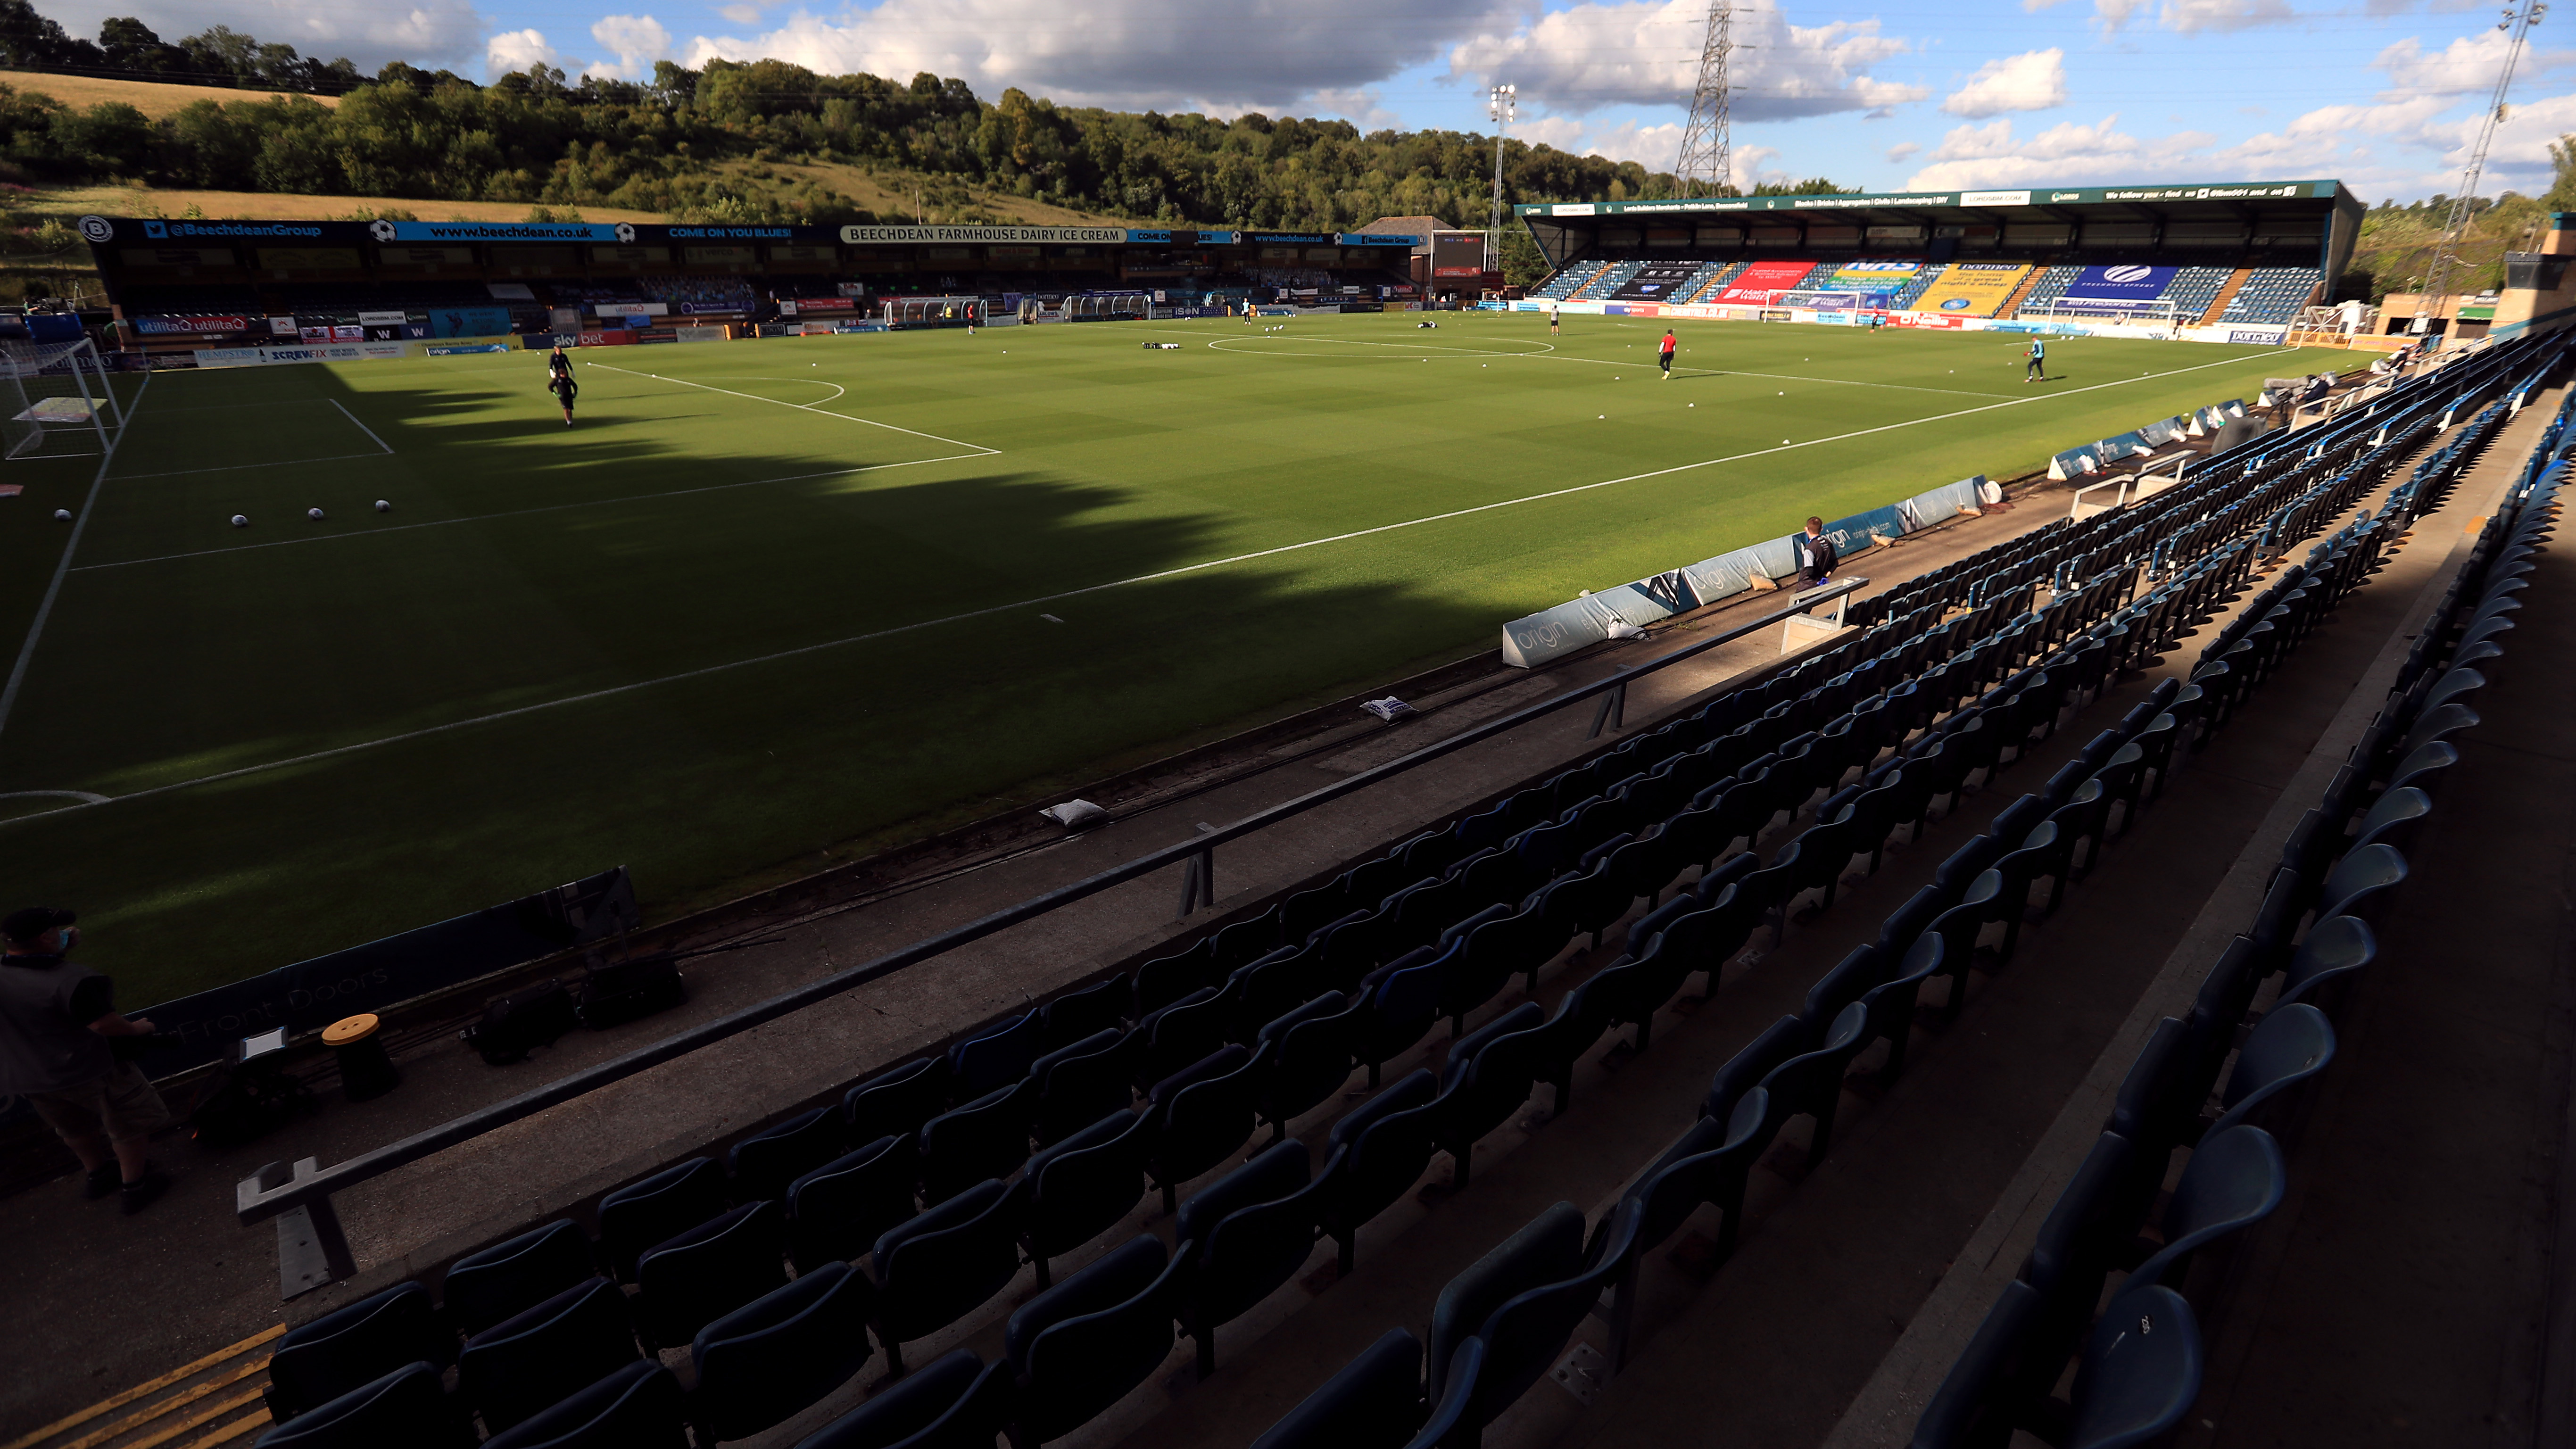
x=768, y=606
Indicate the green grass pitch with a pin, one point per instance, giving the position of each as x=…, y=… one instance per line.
x=768, y=605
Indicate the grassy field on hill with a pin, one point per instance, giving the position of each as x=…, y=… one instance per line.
x=770, y=604
x=153, y=98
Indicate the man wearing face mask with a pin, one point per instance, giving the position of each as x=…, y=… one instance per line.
x=55, y=1022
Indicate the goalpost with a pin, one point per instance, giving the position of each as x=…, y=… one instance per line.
x=53, y=388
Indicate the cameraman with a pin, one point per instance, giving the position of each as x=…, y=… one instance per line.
x=55, y=1022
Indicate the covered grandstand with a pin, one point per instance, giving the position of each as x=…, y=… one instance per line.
x=238, y=289
x=2232, y=262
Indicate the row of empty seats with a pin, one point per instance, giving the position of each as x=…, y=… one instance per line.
x=2114, y=1283
x=2273, y=294
x=1038, y=1136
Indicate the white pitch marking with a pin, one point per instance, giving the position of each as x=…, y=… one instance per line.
x=237, y=467
x=62, y=566
x=701, y=672
x=362, y=427
x=800, y=407
x=518, y=512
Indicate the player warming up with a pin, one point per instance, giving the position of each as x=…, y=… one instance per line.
x=2037, y=371
x=1664, y=357
x=559, y=382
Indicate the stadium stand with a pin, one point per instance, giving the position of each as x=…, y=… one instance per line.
x=2273, y=294
x=941, y=1172
x=1607, y=280
x=2049, y=288
x=2194, y=289
x=2106, y=1257
x=1568, y=280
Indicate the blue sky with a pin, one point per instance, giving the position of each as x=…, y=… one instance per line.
x=2383, y=94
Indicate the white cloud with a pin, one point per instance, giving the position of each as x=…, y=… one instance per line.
x=740, y=14
x=1362, y=106
x=2189, y=16
x=511, y=50
x=2066, y=153
x=636, y=40
x=2467, y=66
x=2033, y=81
x=428, y=33
x=1646, y=52
x=1163, y=54
x=1903, y=149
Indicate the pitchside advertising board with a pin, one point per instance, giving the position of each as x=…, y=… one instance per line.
x=1971, y=289
x=2120, y=287
x=210, y=243
x=1655, y=282
x=1753, y=287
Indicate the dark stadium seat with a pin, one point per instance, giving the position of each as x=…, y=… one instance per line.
x=1079, y=1188
x=1171, y=1037
x=1850, y=980
x=996, y=1059
x=636, y=1407
x=836, y=1212
x=1490, y=1073
x=945, y=1263
x=1373, y=1402
x=971, y=1421
x=903, y=1408
x=987, y=1137
x=538, y=1358
x=1526, y=1333
x=2392, y=819
x=1080, y=1012
x=402, y=1409
x=1400, y=1003
x=1246, y=1234
x=1167, y=979
x=2423, y=767
x=1894, y=1003
x=764, y=1164
x=2234, y=1180
x=2087, y=1228
x=2336, y=951
x=640, y=1215
x=2362, y=883
x=1081, y=1082
x=1082, y=1345
x=1201, y=1115
x=1709, y=1164
x=483, y=1288
x=1781, y=1040
x=1376, y=1153
x=352, y=1347
x=1548, y=1249
x=1306, y=1055
x=768, y=1360
x=2291, y=1045
x=712, y=1269
x=2162, y=1092
x=2140, y=1372
x=1811, y=1083
x=1987, y=1385
x=895, y=1103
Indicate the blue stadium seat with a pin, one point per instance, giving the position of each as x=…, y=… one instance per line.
x=767, y=1361
x=1080, y=1012
x=1079, y=1188
x=997, y=1059
x=2291, y=1045
x=896, y=1102
x=1982, y=1395
x=764, y=1164
x=540, y=1357
x=1710, y=1164
x=1082, y=1345
x=353, y=1347
x=2335, y=953
x=1245, y=1234
x=1081, y=1082
x=1374, y=1402
x=483, y=1288
x=636, y=1407
x=1377, y=1152
x=1491, y=1072
x=710, y=1270
x=1811, y=1083
x=836, y=1212
x=905, y=1407
x=402, y=1409
x=2140, y=1373
x=639, y=1215
x=1548, y=1249
x=969, y=1421
x=2234, y=1180
x=943, y=1264
x=987, y=1137
x=1201, y=1115
x=1307, y=1055
x=1524, y=1335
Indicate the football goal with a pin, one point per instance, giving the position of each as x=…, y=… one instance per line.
x=48, y=389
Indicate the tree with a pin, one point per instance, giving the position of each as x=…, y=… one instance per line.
x=2562, y=191
x=131, y=48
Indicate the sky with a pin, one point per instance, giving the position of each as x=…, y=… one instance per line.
x=2384, y=95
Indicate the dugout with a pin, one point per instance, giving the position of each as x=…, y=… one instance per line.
x=178, y=289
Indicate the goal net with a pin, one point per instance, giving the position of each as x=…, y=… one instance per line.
x=53, y=391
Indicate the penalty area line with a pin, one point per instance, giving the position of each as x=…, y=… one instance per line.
x=63, y=566
x=705, y=671
x=800, y=407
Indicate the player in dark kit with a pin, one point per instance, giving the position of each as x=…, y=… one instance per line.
x=560, y=383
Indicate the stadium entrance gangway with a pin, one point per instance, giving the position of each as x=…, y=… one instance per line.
x=313, y=1249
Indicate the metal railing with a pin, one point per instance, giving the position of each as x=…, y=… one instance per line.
x=314, y=1250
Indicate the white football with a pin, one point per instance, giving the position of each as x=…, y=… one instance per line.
x=62, y=515
x=314, y=513
x=383, y=507
x=240, y=522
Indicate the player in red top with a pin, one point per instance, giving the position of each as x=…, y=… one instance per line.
x=1664, y=359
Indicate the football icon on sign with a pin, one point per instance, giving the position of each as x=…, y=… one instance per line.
x=625, y=232
x=382, y=231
